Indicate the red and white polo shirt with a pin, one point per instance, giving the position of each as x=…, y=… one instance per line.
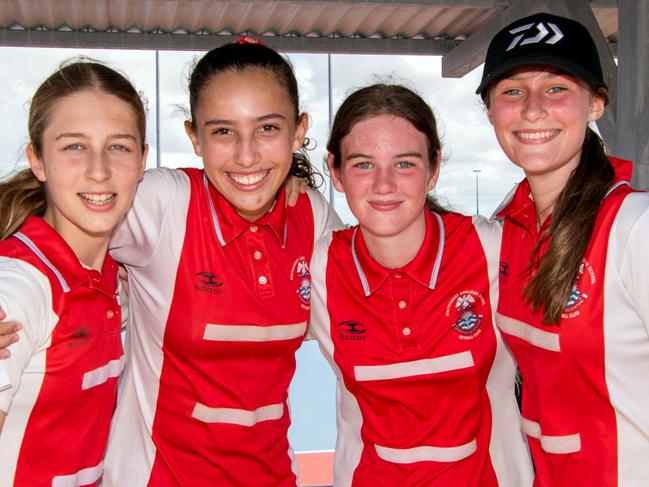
x=425, y=383
x=585, y=380
x=63, y=370
x=218, y=307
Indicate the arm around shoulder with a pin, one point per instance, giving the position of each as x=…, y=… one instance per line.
x=161, y=192
x=326, y=220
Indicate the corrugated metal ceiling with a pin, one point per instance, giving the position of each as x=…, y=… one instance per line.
x=440, y=20
x=433, y=27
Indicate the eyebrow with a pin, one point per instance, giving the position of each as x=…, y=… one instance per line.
x=79, y=135
x=360, y=155
x=263, y=118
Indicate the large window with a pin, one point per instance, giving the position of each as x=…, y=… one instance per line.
x=468, y=140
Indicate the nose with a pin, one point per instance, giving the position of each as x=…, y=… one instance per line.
x=534, y=107
x=98, y=167
x=383, y=182
x=247, y=150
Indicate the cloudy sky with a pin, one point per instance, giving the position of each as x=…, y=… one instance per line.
x=469, y=143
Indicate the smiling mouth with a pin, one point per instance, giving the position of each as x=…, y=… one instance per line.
x=249, y=179
x=98, y=199
x=385, y=205
x=537, y=136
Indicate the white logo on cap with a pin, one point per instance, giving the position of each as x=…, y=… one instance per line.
x=543, y=32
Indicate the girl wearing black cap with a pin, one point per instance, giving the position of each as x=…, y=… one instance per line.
x=574, y=268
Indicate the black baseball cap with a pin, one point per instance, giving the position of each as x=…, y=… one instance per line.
x=546, y=40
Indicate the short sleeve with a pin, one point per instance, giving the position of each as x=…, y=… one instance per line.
x=325, y=218
x=631, y=231
x=137, y=237
x=319, y=314
x=26, y=297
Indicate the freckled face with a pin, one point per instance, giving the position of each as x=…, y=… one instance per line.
x=540, y=117
x=385, y=174
x=246, y=133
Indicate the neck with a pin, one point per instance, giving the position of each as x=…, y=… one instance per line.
x=93, y=255
x=89, y=249
x=396, y=251
x=545, y=191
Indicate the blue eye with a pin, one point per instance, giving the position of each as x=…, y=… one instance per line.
x=73, y=147
x=513, y=92
x=404, y=164
x=119, y=148
x=363, y=165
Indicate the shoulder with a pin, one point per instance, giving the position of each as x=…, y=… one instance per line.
x=316, y=199
x=459, y=230
x=632, y=219
x=489, y=227
x=336, y=241
x=163, y=178
x=20, y=282
x=483, y=225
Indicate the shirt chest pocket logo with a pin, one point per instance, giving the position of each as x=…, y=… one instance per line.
x=466, y=309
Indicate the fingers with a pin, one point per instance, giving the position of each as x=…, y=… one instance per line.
x=294, y=187
x=8, y=335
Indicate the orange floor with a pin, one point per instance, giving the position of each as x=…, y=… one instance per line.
x=315, y=468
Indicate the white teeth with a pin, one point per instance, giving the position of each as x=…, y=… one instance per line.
x=98, y=199
x=248, y=179
x=536, y=135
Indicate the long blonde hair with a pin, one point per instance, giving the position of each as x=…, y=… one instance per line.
x=23, y=195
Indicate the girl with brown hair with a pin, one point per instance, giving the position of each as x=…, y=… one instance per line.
x=574, y=267
x=403, y=308
x=86, y=154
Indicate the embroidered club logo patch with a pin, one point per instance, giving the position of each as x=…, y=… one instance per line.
x=465, y=308
x=580, y=290
x=302, y=275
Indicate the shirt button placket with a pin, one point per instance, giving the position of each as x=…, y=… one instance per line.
x=401, y=302
x=258, y=258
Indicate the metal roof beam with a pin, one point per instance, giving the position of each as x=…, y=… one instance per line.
x=194, y=42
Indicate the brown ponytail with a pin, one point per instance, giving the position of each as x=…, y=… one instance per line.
x=573, y=220
x=20, y=196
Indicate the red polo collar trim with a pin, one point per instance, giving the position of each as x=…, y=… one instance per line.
x=229, y=225
x=424, y=268
x=521, y=205
x=57, y=255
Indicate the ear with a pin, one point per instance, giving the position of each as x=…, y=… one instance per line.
x=300, y=131
x=335, y=174
x=489, y=117
x=596, y=109
x=432, y=181
x=35, y=163
x=189, y=130
x=145, y=154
